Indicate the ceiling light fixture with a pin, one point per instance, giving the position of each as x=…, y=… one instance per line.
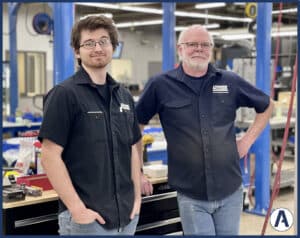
x=159, y=22
x=290, y=10
x=102, y=5
x=210, y=5
x=142, y=9
x=284, y=33
x=139, y=23
x=109, y=15
x=239, y=3
x=210, y=16
x=208, y=26
x=238, y=36
x=160, y=12
x=243, y=36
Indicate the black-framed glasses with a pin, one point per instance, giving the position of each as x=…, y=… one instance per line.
x=91, y=44
x=195, y=45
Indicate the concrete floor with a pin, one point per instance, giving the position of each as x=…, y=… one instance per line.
x=252, y=224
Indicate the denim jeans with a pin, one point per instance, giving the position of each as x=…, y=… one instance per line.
x=68, y=227
x=220, y=217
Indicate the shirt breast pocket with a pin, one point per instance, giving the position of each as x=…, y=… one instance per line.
x=94, y=125
x=179, y=111
x=223, y=108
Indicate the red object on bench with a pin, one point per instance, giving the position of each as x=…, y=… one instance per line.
x=39, y=180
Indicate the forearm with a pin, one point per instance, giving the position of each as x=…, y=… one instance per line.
x=136, y=170
x=60, y=180
x=140, y=147
x=260, y=122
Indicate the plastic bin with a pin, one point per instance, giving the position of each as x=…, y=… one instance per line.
x=158, y=155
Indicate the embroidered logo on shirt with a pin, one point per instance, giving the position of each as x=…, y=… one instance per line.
x=124, y=107
x=220, y=89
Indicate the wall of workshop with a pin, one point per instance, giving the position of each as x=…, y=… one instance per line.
x=141, y=46
x=29, y=40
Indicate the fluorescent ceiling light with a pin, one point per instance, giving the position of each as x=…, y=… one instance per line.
x=210, y=5
x=139, y=23
x=135, y=3
x=208, y=26
x=109, y=15
x=291, y=10
x=210, y=16
x=237, y=36
x=160, y=12
x=159, y=22
x=142, y=9
x=122, y=7
x=102, y=5
x=284, y=33
x=228, y=36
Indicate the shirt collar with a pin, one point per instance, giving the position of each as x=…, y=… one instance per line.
x=82, y=77
x=178, y=73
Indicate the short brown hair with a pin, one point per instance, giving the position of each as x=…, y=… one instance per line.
x=93, y=23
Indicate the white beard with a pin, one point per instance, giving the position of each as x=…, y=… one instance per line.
x=197, y=66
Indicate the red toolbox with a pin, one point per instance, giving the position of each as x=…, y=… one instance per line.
x=39, y=180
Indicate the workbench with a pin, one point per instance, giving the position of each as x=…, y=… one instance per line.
x=38, y=215
x=15, y=127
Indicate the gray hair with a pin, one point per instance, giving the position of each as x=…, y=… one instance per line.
x=182, y=33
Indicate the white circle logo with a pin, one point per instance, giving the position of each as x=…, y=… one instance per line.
x=281, y=219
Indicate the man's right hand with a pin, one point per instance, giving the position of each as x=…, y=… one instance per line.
x=146, y=186
x=86, y=216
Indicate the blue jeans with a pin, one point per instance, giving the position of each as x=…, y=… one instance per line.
x=211, y=217
x=68, y=227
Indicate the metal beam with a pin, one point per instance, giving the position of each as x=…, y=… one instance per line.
x=13, y=58
x=169, y=37
x=63, y=57
x=262, y=147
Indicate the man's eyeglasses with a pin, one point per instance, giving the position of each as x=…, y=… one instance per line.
x=91, y=44
x=195, y=45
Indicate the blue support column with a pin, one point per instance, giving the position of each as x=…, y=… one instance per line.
x=169, y=37
x=63, y=56
x=13, y=58
x=262, y=147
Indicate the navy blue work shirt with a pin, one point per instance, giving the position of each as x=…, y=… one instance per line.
x=96, y=135
x=198, y=123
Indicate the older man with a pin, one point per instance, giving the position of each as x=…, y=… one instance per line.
x=197, y=104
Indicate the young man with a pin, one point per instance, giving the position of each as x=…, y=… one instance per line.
x=197, y=105
x=90, y=135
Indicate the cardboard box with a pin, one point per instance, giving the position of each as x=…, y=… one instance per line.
x=284, y=98
x=156, y=170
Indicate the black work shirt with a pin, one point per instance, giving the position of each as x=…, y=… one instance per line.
x=96, y=138
x=199, y=128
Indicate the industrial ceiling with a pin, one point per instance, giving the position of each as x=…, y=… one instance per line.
x=234, y=10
